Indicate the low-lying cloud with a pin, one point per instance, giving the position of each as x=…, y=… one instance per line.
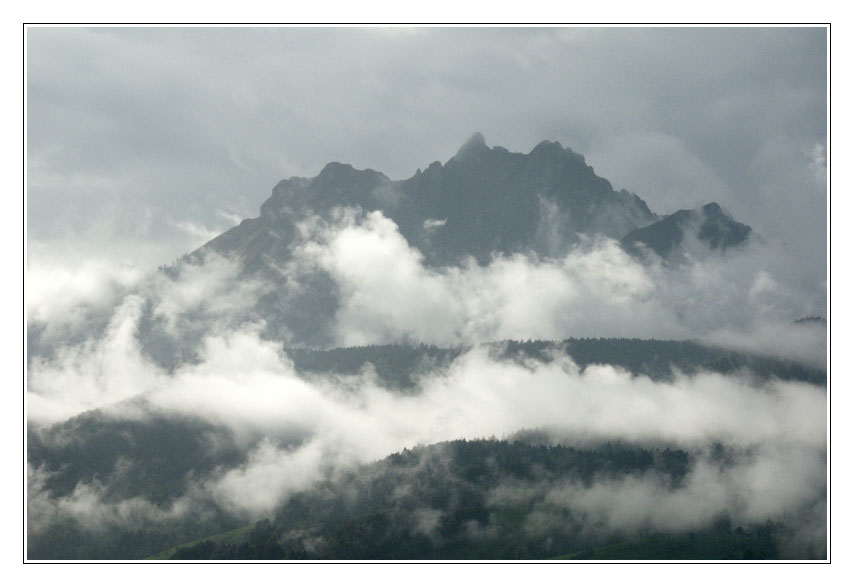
x=296, y=430
x=756, y=486
x=310, y=428
x=596, y=290
x=388, y=294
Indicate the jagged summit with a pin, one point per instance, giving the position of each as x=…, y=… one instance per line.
x=483, y=202
x=712, y=208
x=493, y=201
x=474, y=148
x=476, y=142
x=335, y=169
x=548, y=147
x=671, y=237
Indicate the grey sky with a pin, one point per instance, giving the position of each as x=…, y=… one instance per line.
x=143, y=143
x=151, y=140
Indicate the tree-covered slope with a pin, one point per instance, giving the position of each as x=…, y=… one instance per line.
x=489, y=500
x=399, y=366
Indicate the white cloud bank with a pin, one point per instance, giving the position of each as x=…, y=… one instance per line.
x=248, y=385
x=297, y=430
x=596, y=290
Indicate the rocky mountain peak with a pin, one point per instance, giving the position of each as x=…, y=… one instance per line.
x=547, y=147
x=709, y=225
x=712, y=209
x=476, y=143
x=482, y=203
x=491, y=201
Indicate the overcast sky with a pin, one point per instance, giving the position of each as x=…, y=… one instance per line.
x=145, y=142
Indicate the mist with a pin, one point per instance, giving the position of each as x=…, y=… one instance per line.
x=596, y=289
x=146, y=143
x=92, y=352
x=296, y=430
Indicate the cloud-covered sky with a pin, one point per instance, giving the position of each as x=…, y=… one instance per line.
x=152, y=140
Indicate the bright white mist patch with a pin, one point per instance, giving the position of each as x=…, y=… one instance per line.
x=93, y=374
x=298, y=430
x=62, y=291
x=247, y=384
x=389, y=294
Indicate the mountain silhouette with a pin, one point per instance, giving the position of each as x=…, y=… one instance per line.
x=481, y=202
x=484, y=201
x=678, y=234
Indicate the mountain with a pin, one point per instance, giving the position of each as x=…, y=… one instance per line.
x=482, y=202
x=679, y=233
x=489, y=499
x=200, y=425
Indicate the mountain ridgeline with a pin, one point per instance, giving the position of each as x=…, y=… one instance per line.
x=709, y=226
x=253, y=460
x=481, y=202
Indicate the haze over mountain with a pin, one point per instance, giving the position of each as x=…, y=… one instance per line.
x=489, y=245
x=412, y=349
x=482, y=204
x=680, y=116
x=710, y=227
x=189, y=403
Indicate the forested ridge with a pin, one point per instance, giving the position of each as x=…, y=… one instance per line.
x=445, y=502
x=399, y=365
x=441, y=501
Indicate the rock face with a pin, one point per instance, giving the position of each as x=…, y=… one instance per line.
x=483, y=201
x=688, y=232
